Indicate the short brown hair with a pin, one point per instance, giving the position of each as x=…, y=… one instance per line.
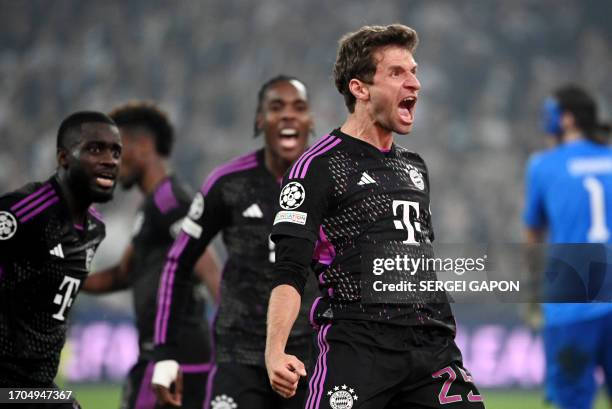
x=356, y=51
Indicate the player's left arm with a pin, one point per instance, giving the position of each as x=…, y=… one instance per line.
x=113, y=278
x=208, y=271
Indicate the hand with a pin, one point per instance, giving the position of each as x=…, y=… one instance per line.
x=284, y=372
x=164, y=374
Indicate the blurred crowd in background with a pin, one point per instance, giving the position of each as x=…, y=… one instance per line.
x=485, y=67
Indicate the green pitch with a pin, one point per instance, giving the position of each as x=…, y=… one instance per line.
x=107, y=396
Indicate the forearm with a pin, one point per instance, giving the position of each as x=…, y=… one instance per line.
x=105, y=281
x=283, y=310
x=208, y=270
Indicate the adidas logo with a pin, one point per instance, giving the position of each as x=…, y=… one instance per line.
x=57, y=251
x=253, y=211
x=366, y=180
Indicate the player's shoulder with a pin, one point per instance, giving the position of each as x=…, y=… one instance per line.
x=30, y=201
x=96, y=220
x=409, y=155
x=171, y=194
x=232, y=168
x=315, y=160
x=541, y=160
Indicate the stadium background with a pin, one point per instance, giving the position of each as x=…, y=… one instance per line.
x=484, y=67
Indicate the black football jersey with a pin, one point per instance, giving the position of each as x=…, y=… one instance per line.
x=355, y=204
x=156, y=225
x=238, y=200
x=44, y=258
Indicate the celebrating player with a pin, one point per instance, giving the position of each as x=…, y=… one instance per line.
x=147, y=142
x=48, y=237
x=569, y=196
x=352, y=196
x=238, y=199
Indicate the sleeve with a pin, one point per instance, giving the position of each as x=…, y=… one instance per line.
x=206, y=217
x=17, y=235
x=293, y=258
x=534, y=215
x=302, y=203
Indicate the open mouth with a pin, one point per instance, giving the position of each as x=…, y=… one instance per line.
x=406, y=109
x=289, y=138
x=105, y=180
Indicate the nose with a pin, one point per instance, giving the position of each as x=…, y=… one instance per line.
x=288, y=113
x=412, y=82
x=109, y=159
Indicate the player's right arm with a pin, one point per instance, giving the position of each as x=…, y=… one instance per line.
x=113, y=278
x=18, y=232
x=534, y=217
x=207, y=215
x=284, y=370
x=302, y=203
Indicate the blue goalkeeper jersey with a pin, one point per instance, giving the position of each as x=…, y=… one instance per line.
x=569, y=192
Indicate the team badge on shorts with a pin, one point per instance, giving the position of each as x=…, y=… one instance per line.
x=342, y=397
x=8, y=225
x=197, y=207
x=223, y=402
x=292, y=196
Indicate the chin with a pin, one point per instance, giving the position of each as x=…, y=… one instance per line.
x=97, y=195
x=101, y=197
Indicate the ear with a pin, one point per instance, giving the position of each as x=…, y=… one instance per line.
x=359, y=89
x=62, y=158
x=259, y=119
x=568, y=121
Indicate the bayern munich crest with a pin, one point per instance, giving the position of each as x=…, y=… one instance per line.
x=223, y=402
x=416, y=177
x=197, y=207
x=342, y=397
x=8, y=225
x=292, y=196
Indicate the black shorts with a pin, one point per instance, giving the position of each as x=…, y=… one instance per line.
x=248, y=386
x=370, y=365
x=138, y=394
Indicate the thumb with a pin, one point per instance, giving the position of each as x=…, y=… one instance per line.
x=297, y=366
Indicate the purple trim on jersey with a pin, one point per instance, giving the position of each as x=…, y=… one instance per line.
x=242, y=163
x=95, y=213
x=320, y=152
x=196, y=368
x=316, y=384
x=39, y=210
x=30, y=197
x=385, y=150
x=164, y=197
x=164, y=294
x=35, y=203
x=146, y=398
x=312, y=310
x=209, y=387
x=79, y=227
x=324, y=251
x=294, y=170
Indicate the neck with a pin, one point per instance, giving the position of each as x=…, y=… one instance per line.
x=572, y=135
x=77, y=205
x=361, y=126
x=155, y=172
x=276, y=165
